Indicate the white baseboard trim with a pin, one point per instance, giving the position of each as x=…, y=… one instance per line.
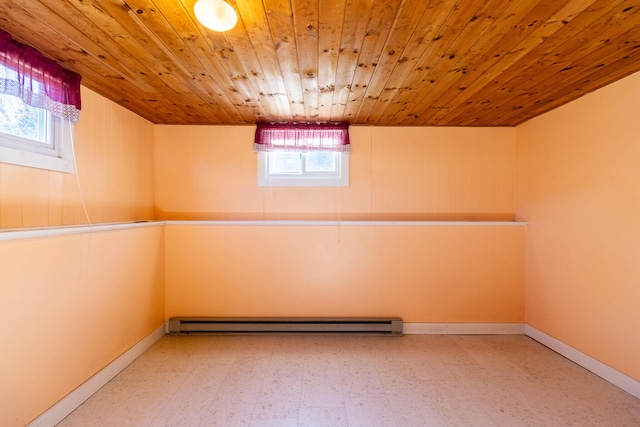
x=463, y=328
x=617, y=378
x=73, y=400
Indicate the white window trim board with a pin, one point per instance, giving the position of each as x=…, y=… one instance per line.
x=309, y=180
x=60, y=159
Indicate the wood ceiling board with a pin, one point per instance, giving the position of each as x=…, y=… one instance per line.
x=375, y=62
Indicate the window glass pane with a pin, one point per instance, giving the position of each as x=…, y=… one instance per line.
x=320, y=161
x=282, y=162
x=20, y=119
x=309, y=169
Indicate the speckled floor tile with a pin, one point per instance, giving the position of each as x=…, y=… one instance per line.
x=347, y=381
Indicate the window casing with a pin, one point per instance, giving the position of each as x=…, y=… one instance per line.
x=39, y=103
x=34, y=137
x=303, y=169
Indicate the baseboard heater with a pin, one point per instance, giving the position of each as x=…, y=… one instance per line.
x=240, y=326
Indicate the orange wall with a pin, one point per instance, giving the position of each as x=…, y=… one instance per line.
x=210, y=172
x=579, y=189
x=114, y=154
x=424, y=274
x=69, y=305
x=421, y=273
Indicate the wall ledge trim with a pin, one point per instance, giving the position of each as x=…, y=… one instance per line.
x=30, y=233
x=77, y=397
x=606, y=372
x=463, y=328
x=348, y=223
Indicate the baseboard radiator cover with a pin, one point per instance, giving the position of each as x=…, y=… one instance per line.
x=265, y=325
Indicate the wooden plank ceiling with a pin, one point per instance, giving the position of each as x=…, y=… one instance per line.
x=374, y=62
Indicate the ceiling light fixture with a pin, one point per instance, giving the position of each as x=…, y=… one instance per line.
x=216, y=14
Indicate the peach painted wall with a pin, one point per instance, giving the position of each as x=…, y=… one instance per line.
x=421, y=273
x=579, y=189
x=210, y=172
x=70, y=305
x=424, y=274
x=114, y=154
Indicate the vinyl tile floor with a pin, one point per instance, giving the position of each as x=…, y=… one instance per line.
x=335, y=381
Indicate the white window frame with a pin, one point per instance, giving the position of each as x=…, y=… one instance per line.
x=338, y=178
x=57, y=155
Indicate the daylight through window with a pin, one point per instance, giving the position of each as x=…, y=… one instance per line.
x=31, y=136
x=302, y=154
x=39, y=103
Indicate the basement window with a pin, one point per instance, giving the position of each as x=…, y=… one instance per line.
x=302, y=155
x=303, y=169
x=39, y=104
x=33, y=137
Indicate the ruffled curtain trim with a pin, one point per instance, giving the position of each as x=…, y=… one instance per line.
x=38, y=81
x=302, y=137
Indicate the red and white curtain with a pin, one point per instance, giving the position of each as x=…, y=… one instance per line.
x=38, y=81
x=302, y=137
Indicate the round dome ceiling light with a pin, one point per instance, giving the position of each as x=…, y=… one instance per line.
x=217, y=15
